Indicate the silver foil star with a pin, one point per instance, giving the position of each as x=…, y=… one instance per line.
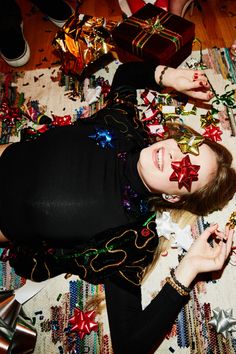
x=223, y=321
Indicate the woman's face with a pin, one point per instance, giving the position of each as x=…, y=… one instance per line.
x=154, y=167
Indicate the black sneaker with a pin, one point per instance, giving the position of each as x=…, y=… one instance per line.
x=14, y=49
x=58, y=11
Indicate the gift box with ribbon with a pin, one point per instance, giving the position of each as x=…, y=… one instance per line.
x=17, y=335
x=156, y=35
x=84, y=45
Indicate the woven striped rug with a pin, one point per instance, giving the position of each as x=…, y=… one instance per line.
x=52, y=94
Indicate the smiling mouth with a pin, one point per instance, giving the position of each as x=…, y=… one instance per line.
x=158, y=159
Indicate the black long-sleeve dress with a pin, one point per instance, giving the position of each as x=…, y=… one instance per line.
x=73, y=202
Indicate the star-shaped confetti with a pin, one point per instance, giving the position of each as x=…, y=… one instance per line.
x=189, y=143
x=208, y=119
x=82, y=322
x=184, y=172
x=232, y=220
x=223, y=321
x=212, y=132
x=103, y=138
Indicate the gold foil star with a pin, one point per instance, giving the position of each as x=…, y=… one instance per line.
x=232, y=220
x=208, y=119
x=189, y=143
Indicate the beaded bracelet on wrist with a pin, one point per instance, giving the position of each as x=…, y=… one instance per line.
x=176, y=287
x=160, y=83
x=185, y=288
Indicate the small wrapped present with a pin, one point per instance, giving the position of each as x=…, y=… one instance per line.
x=84, y=45
x=156, y=35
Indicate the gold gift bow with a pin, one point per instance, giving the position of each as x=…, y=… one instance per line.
x=150, y=26
x=232, y=220
x=17, y=335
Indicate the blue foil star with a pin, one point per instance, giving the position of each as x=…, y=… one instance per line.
x=103, y=138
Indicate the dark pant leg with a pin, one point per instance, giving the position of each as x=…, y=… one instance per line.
x=10, y=14
x=55, y=8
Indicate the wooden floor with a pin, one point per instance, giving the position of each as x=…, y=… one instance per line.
x=215, y=27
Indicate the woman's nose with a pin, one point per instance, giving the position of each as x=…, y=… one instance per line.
x=177, y=155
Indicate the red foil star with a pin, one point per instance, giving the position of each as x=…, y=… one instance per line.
x=83, y=323
x=212, y=132
x=184, y=172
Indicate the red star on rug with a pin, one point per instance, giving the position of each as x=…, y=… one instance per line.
x=212, y=132
x=83, y=323
x=184, y=172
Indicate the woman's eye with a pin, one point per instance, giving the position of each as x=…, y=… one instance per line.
x=171, y=156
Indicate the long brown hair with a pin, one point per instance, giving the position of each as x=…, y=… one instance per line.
x=215, y=194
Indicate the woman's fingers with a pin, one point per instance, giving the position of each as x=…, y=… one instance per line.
x=230, y=235
x=209, y=231
x=223, y=248
x=204, y=96
x=194, y=84
x=200, y=84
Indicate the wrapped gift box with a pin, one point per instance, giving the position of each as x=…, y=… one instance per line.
x=154, y=34
x=84, y=45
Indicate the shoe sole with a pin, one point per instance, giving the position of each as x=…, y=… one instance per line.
x=60, y=23
x=21, y=60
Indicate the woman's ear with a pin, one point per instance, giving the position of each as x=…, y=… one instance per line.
x=172, y=198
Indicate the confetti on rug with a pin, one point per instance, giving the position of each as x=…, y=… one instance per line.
x=49, y=94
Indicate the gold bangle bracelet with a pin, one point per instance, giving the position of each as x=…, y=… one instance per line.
x=176, y=287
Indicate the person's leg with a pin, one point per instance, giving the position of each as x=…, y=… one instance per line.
x=179, y=7
x=13, y=47
x=58, y=11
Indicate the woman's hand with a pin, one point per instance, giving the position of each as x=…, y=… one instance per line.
x=192, y=83
x=203, y=257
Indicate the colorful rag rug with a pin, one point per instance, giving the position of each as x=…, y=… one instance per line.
x=45, y=95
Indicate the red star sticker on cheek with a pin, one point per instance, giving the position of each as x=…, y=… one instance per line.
x=184, y=173
x=83, y=323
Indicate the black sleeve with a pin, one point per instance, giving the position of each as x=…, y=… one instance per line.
x=127, y=79
x=137, y=75
x=138, y=331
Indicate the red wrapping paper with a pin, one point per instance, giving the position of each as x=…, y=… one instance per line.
x=168, y=42
x=136, y=5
